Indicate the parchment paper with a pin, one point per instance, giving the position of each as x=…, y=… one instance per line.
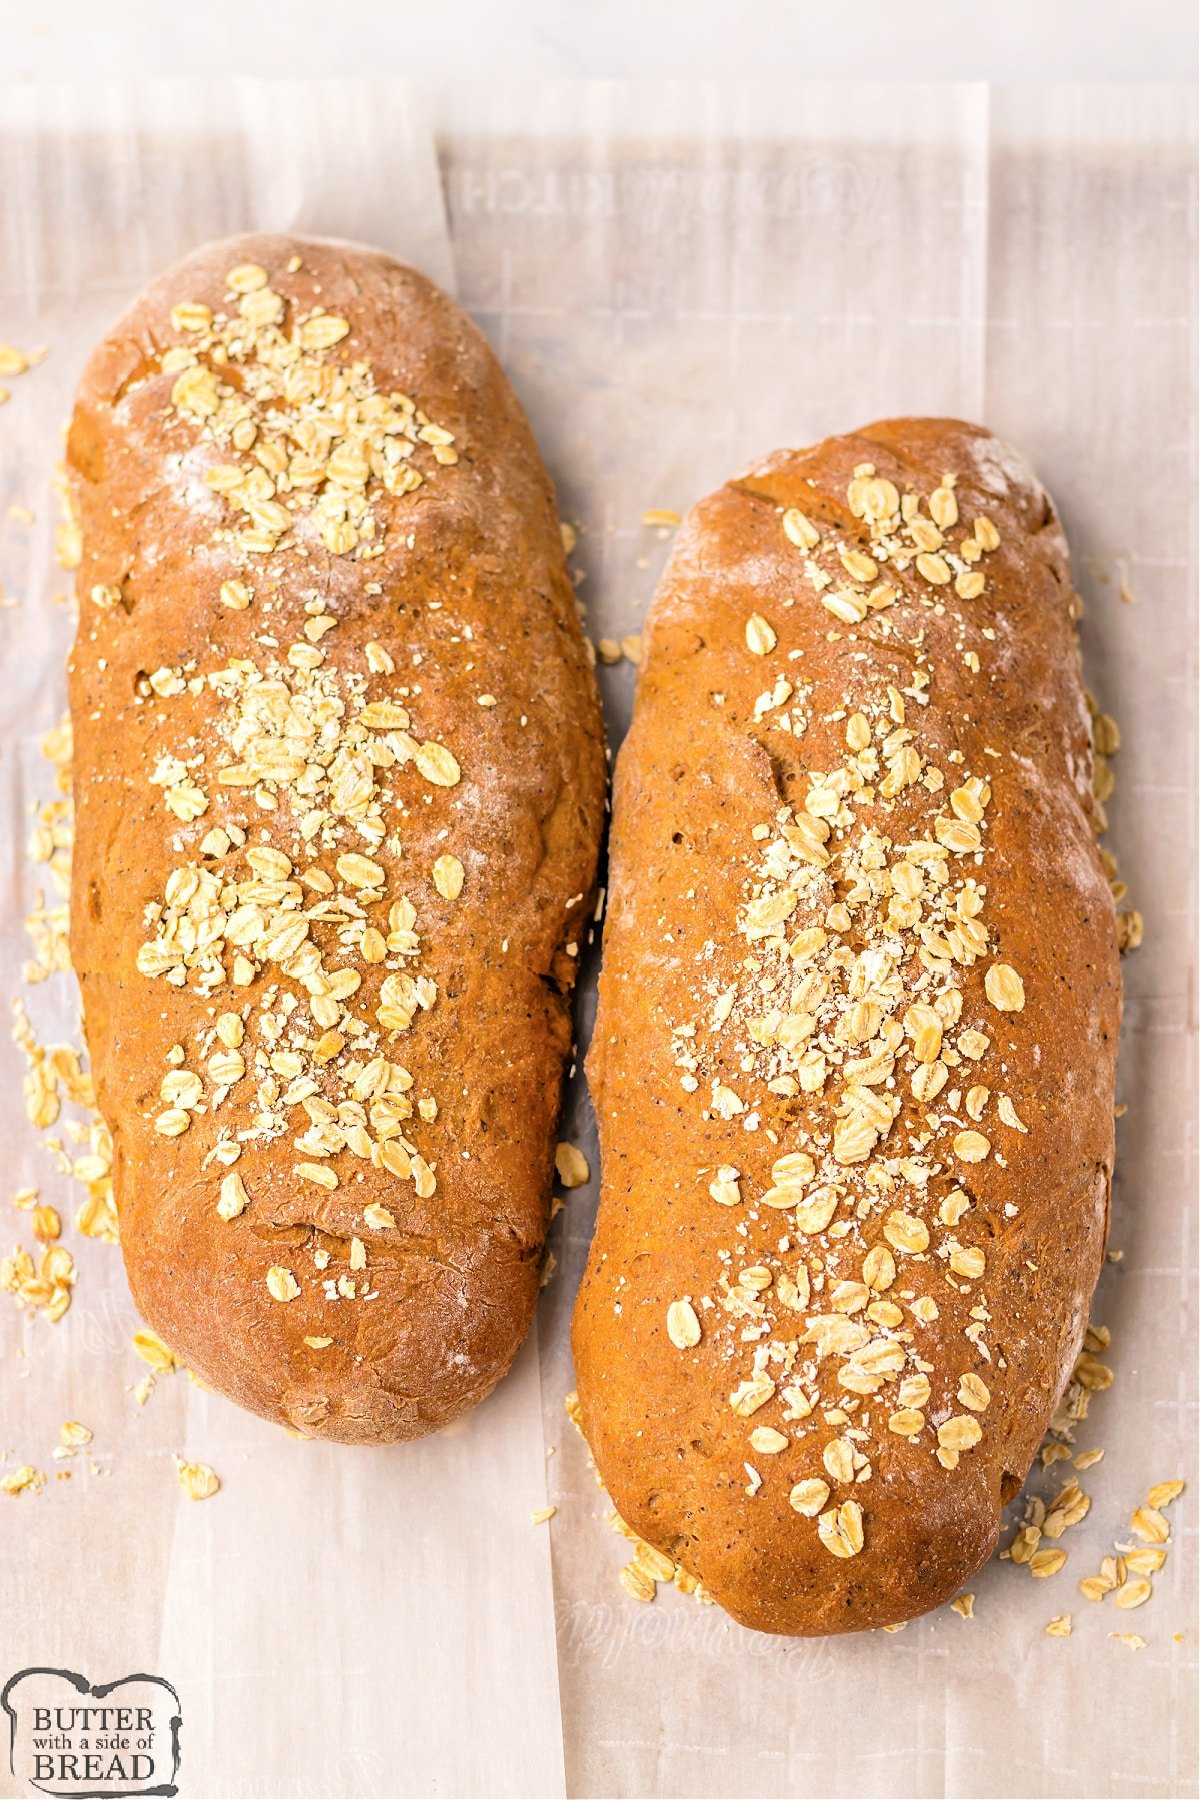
x=335, y=1621
x=678, y=279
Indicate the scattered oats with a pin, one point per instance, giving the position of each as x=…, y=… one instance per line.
x=935, y=569
x=197, y=1480
x=943, y=508
x=635, y=1583
x=973, y=1393
x=1106, y=734
x=234, y=1199
x=1046, y=1562
x=1163, y=1492
x=841, y=1529
x=907, y=1423
x=1004, y=988
x=246, y=278
x=282, y=1284
x=654, y=1563
x=571, y=1165
x=683, y=1327
x=172, y=1123
x=760, y=637
x=964, y=1606
x=749, y=1395
x=542, y=1514
x=318, y=1173
x=44, y=1287
x=384, y=715
x=971, y=1146
x=359, y=871
x=322, y=331
x=725, y=1190
x=1059, y=1626
x=838, y=1457
x=1150, y=1525
x=664, y=516
x=153, y=1351
x=437, y=765
x=808, y=1497
x=800, y=529
x=858, y=732
x=906, y=1232
x=191, y=315
x=959, y=1433
x=448, y=877
x=24, y=1480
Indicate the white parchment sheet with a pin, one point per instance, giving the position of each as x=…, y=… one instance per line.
x=680, y=280
x=335, y=1622
x=677, y=280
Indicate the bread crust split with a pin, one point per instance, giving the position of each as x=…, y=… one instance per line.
x=339, y=787
x=854, y=1060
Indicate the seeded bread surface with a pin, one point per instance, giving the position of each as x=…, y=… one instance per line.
x=339, y=786
x=854, y=1062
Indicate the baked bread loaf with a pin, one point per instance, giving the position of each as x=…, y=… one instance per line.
x=339, y=784
x=854, y=1061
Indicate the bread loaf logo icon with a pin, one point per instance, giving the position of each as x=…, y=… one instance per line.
x=70, y=1738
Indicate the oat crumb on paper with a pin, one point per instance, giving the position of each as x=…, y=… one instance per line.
x=23, y=1480
x=197, y=1479
x=12, y=360
x=571, y=1165
x=44, y=1286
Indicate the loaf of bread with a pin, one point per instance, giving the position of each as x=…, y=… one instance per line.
x=339, y=784
x=854, y=1061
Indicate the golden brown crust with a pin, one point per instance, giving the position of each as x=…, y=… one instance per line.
x=800, y=929
x=410, y=1035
